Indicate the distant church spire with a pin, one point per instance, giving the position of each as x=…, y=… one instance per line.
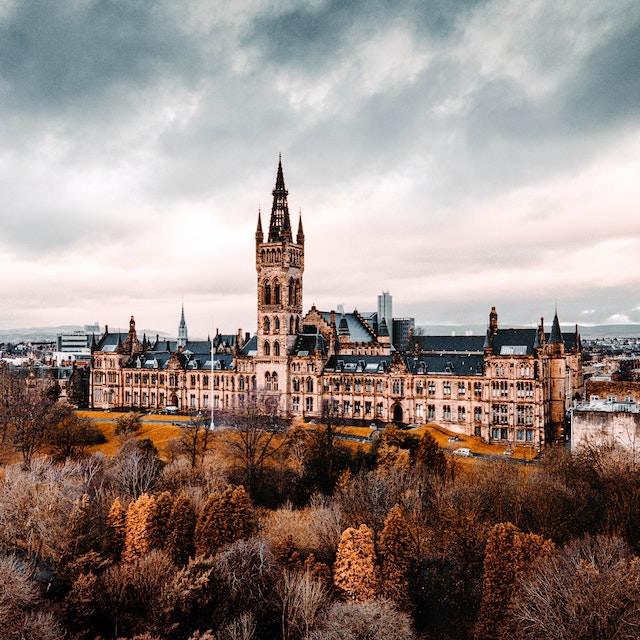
x=182, y=330
x=300, y=235
x=280, y=224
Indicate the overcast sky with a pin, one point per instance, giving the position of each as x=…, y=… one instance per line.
x=459, y=154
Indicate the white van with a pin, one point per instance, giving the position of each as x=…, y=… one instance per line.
x=463, y=451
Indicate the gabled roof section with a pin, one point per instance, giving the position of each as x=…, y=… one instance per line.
x=359, y=331
x=514, y=342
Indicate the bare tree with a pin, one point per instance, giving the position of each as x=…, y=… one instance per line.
x=195, y=438
x=303, y=600
x=590, y=589
x=256, y=437
x=135, y=471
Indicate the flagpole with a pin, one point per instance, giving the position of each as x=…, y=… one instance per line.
x=212, y=425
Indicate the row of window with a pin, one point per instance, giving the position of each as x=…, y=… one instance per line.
x=275, y=256
x=269, y=324
x=500, y=414
x=522, y=435
x=510, y=369
x=271, y=292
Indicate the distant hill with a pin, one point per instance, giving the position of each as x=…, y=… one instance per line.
x=49, y=334
x=587, y=332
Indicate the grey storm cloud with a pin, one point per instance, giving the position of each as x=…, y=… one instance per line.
x=130, y=129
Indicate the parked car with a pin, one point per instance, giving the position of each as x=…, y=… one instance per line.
x=463, y=451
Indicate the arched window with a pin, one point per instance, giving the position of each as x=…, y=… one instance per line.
x=292, y=292
x=267, y=325
x=309, y=385
x=297, y=324
x=274, y=381
x=262, y=255
x=254, y=383
x=267, y=381
x=267, y=349
x=240, y=383
x=267, y=293
x=276, y=323
x=276, y=290
x=276, y=348
x=291, y=326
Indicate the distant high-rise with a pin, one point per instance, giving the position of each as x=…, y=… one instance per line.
x=385, y=310
x=402, y=331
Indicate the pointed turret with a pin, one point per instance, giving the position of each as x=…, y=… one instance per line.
x=300, y=235
x=280, y=224
x=259, y=234
x=556, y=334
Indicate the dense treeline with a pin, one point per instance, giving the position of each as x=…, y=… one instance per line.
x=268, y=531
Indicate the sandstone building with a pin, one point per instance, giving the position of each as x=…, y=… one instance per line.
x=511, y=386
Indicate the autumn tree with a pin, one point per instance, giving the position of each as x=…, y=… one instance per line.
x=161, y=520
x=354, y=569
x=225, y=517
x=325, y=457
x=115, y=530
x=128, y=423
x=138, y=537
x=508, y=554
x=68, y=435
x=182, y=524
x=428, y=455
x=193, y=599
x=394, y=554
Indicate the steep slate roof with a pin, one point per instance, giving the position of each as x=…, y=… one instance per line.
x=459, y=344
x=309, y=343
x=358, y=332
x=250, y=347
x=514, y=342
x=110, y=341
x=447, y=364
x=357, y=364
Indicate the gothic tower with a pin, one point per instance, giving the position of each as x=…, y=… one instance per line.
x=279, y=263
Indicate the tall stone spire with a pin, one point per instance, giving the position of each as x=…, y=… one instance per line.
x=300, y=235
x=182, y=330
x=280, y=224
